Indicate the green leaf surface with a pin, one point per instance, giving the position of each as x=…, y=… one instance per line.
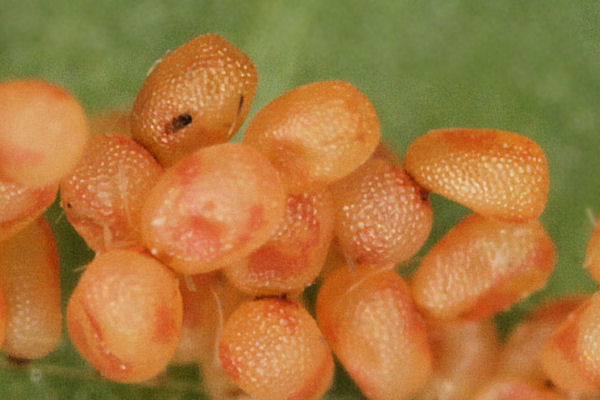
x=531, y=67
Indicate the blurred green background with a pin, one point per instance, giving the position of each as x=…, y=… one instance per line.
x=531, y=67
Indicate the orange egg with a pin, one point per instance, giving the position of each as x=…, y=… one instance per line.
x=498, y=174
x=273, y=349
x=197, y=95
x=382, y=216
x=316, y=134
x=103, y=196
x=43, y=132
x=30, y=283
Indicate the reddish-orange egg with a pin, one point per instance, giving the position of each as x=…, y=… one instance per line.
x=481, y=267
x=213, y=208
x=125, y=315
x=368, y=318
x=498, y=174
x=294, y=255
x=316, y=134
x=197, y=95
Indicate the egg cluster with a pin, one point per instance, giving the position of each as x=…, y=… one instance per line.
x=204, y=247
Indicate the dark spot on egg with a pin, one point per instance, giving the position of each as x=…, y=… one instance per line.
x=178, y=123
